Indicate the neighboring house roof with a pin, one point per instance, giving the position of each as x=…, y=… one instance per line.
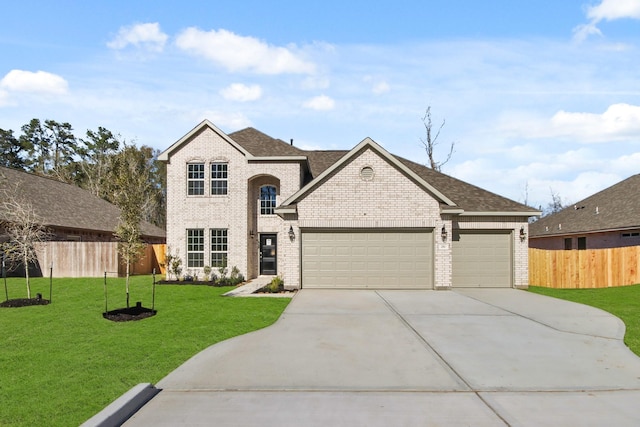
x=612, y=209
x=62, y=205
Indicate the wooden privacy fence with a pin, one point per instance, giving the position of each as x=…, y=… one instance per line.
x=591, y=268
x=92, y=259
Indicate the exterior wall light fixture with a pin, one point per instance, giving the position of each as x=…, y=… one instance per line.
x=292, y=235
x=443, y=233
x=523, y=234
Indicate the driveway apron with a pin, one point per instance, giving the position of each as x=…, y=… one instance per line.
x=379, y=358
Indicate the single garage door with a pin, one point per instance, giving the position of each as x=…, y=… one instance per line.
x=367, y=259
x=482, y=259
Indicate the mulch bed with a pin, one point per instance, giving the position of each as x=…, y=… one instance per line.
x=129, y=314
x=24, y=302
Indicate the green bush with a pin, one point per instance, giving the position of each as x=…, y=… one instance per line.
x=276, y=285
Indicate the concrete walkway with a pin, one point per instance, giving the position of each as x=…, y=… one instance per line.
x=414, y=358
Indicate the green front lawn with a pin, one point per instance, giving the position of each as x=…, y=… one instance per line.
x=62, y=363
x=623, y=302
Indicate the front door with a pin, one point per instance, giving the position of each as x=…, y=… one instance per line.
x=268, y=251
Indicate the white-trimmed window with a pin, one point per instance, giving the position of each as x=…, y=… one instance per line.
x=195, y=247
x=219, y=173
x=267, y=200
x=219, y=247
x=195, y=179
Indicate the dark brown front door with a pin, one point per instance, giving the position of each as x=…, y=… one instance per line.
x=268, y=254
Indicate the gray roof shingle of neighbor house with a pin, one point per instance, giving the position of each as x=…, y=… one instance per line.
x=62, y=205
x=466, y=196
x=612, y=209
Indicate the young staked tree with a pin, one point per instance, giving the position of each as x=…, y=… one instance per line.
x=431, y=141
x=128, y=182
x=23, y=227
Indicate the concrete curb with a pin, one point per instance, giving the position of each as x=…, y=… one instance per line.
x=123, y=407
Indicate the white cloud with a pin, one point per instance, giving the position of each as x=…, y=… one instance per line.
x=147, y=36
x=241, y=92
x=238, y=53
x=614, y=9
x=320, y=103
x=608, y=10
x=38, y=82
x=619, y=122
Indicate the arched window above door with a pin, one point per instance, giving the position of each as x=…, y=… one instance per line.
x=267, y=200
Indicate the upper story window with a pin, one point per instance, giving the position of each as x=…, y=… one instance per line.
x=219, y=178
x=267, y=200
x=195, y=179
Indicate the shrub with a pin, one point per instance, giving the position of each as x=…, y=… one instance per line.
x=235, y=278
x=276, y=285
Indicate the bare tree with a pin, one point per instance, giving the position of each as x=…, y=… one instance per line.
x=431, y=141
x=555, y=205
x=23, y=228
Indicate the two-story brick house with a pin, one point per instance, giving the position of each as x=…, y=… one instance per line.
x=361, y=218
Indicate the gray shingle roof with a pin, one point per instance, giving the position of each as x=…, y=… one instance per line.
x=262, y=145
x=614, y=208
x=466, y=196
x=68, y=206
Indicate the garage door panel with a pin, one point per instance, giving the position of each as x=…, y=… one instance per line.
x=367, y=259
x=482, y=259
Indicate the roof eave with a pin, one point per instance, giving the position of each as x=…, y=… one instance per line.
x=502, y=213
x=286, y=210
x=278, y=158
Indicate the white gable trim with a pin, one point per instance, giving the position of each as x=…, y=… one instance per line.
x=164, y=156
x=367, y=143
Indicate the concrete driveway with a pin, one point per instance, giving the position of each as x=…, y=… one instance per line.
x=415, y=358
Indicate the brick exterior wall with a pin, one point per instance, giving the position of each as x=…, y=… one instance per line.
x=388, y=199
x=237, y=211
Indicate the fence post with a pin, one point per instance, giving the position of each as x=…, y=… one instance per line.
x=105, y=293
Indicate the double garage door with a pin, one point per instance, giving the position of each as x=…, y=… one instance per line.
x=401, y=259
x=372, y=259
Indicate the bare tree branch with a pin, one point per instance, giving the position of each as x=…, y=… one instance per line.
x=431, y=141
x=23, y=229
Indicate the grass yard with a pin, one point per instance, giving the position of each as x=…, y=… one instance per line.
x=623, y=302
x=62, y=363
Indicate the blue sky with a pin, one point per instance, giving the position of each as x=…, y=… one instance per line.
x=538, y=96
